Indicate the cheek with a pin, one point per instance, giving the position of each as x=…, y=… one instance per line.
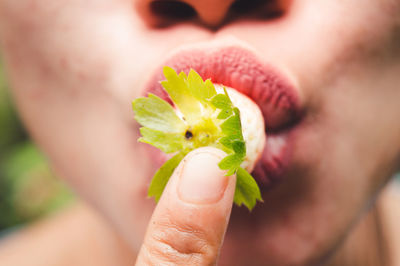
x=349, y=73
x=348, y=40
x=75, y=47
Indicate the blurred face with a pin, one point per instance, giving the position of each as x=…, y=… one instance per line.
x=76, y=66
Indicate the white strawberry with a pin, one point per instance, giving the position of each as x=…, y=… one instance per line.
x=253, y=127
x=199, y=117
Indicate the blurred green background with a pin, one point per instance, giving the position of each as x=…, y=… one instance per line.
x=28, y=188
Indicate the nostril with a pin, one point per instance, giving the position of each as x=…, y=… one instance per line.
x=246, y=5
x=172, y=10
x=259, y=8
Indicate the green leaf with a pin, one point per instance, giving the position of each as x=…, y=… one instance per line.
x=226, y=141
x=182, y=75
x=202, y=91
x=167, y=142
x=232, y=127
x=157, y=114
x=221, y=101
x=239, y=147
x=231, y=163
x=210, y=89
x=247, y=191
x=160, y=179
x=223, y=114
x=178, y=90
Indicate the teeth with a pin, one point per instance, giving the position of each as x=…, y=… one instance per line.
x=252, y=126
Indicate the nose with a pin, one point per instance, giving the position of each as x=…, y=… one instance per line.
x=209, y=12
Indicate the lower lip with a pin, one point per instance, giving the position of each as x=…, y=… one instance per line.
x=274, y=160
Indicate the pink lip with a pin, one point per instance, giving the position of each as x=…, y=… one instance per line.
x=240, y=69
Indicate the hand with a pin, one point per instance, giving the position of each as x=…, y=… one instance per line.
x=190, y=220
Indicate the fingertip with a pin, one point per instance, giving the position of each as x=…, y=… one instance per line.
x=201, y=181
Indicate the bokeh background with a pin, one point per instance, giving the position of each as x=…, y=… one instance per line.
x=28, y=188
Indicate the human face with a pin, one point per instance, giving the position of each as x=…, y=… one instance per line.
x=76, y=65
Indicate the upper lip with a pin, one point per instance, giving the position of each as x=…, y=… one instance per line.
x=239, y=68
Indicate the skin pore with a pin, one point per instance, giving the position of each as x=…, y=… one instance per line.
x=76, y=65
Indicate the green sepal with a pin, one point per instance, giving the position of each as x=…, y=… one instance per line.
x=231, y=163
x=161, y=177
x=247, y=191
x=232, y=126
x=167, y=142
x=202, y=91
x=223, y=114
x=181, y=95
x=155, y=113
x=239, y=147
x=221, y=101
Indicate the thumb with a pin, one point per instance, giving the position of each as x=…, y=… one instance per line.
x=190, y=220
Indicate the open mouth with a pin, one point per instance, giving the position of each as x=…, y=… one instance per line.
x=240, y=69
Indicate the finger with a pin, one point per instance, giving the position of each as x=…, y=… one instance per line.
x=190, y=220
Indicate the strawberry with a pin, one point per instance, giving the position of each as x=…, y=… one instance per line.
x=253, y=127
x=203, y=117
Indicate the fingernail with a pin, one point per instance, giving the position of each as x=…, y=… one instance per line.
x=201, y=180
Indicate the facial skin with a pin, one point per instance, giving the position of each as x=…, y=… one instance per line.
x=76, y=65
